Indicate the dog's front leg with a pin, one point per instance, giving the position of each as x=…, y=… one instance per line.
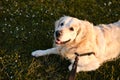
x=38, y=53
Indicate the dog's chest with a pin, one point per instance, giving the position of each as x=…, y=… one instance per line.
x=67, y=52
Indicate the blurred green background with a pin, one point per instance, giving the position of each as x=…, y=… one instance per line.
x=28, y=25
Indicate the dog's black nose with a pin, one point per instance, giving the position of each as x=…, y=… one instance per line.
x=58, y=33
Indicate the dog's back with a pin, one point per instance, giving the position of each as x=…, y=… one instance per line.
x=111, y=34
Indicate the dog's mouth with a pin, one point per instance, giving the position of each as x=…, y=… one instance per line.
x=61, y=42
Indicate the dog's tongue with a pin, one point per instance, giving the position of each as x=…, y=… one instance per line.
x=58, y=41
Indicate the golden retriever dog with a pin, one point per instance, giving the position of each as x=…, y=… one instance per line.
x=78, y=36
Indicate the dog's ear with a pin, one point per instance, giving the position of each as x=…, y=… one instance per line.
x=85, y=30
x=79, y=32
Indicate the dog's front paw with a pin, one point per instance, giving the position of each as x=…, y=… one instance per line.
x=38, y=53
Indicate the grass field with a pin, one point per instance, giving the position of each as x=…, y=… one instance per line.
x=27, y=25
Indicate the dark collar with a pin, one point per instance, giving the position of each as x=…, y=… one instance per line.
x=84, y=54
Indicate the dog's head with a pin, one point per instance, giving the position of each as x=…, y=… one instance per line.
x=68, y=29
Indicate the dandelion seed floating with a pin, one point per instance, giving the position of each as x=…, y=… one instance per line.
x=33, y=15
x=51, y=13
x=11, y=32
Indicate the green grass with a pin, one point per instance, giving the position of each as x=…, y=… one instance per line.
x=28, y=25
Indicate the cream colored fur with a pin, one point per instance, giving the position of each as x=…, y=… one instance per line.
x=82, y=37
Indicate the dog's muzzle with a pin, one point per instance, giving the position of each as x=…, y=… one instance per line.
x=58, y=33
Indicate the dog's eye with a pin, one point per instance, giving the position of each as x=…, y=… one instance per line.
x=61, y=24
x=71, y=28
